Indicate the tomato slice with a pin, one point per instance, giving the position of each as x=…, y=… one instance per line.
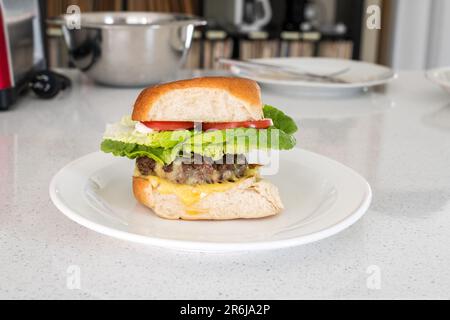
x=168, y=125
x=183, y=125
x=257, y=124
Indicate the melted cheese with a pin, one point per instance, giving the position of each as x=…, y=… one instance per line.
x=189, y=194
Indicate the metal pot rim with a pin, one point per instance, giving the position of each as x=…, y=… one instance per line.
x=185, y=21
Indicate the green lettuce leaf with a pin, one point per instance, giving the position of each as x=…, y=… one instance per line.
x=132, y=150
x=122, y=139
x=280, y=119
x=124, y=131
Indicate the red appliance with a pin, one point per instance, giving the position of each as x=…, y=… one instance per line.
x=22, y=50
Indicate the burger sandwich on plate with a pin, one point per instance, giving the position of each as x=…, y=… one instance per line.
x=193, y=142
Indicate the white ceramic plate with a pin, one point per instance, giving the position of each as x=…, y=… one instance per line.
x=321, y=198
x=440, y=76
x=360, y=75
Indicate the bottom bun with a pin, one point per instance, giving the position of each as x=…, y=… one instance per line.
x=250, y=198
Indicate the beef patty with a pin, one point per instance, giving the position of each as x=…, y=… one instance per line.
x=186, y=171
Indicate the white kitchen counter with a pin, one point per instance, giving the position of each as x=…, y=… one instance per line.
x=399, y=140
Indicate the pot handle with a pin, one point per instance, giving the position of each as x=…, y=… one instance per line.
x=89, y=49
x=181, y=36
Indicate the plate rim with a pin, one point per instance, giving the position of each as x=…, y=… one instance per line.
x=430, y=74
x=199, y=246
x=336, y=86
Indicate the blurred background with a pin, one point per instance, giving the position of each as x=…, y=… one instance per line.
x=131, y=43
x=412, y=33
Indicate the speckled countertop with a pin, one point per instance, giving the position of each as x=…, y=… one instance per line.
x=398, y=139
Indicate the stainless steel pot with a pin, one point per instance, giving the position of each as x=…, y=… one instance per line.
x=129, y=48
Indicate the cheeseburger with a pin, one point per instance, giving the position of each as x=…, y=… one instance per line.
x=192, y=141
